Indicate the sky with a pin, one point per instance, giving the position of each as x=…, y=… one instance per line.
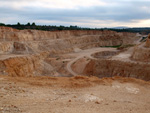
x=84, y=13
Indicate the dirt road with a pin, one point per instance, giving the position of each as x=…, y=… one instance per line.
x=85, y=53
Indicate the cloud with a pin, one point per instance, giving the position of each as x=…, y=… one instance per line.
x=56, y=4
x=90, y=13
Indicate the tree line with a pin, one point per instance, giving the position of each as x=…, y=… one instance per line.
x=43, y=27
x=29, y=25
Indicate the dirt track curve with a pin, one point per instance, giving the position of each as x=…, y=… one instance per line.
x=86, y=53
x=125, y=56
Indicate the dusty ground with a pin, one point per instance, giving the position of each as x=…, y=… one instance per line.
x=73, y=95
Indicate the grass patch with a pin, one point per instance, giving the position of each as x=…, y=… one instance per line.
x=125, y=46
x=117, y=46
x=57, y=58
x=143, y=39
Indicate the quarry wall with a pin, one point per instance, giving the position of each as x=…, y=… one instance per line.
x=28, y=46
x=33, y=41
x=109, y=68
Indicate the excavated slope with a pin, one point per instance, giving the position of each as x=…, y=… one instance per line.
x=33, y=41
x=21, y=49
x=110, y=68
x=142, y=51
x=28, y=65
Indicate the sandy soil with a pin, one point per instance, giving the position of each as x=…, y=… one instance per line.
x=73, y=95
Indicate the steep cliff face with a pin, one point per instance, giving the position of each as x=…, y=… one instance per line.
x=147, y=44
x=27, y=46
x=142, y=51
x=23, y=65
x=10, y=34
x=134, y=62
x=109, y=68
x=6, y=47
x=32, y=41
x=141, y=54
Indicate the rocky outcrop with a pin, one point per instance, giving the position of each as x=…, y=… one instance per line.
x=23, y=65
x=141, y=54
x=33, y=41
x=147, y=44
x=6, y=47
x=109, y=68
x=142, y=51
x=136, y=65
x=9, y=34
x=27, y=47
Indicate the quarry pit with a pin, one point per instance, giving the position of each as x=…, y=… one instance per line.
x=65, y=70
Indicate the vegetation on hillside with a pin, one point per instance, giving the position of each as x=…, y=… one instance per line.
x=71, y=27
